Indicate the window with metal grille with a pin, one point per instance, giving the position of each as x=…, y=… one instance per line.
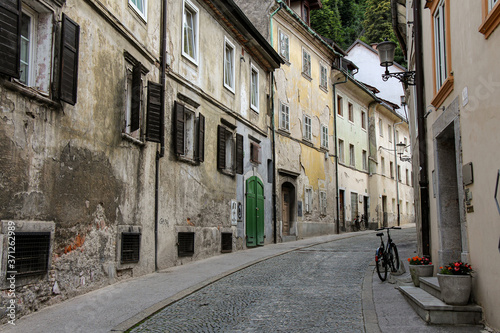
x=131, y=244
x=226, y=242
x=185, y=244
x=32, y=253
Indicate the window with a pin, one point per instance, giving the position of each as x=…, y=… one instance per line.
x=491, y=13
x=350, y=107
x=305, y=12
x=32, y=251
x=322, y=202
x=284, y=117
x=254, y=84
x=270, y=173
x=226, y=243
x=440, y=44
x=307, y=128
x=340, y=104
x=185, y=244
x=131, y=243
x=365, y=160
x=284, y=46
x=134, y=98
x=352, y=160
x=363, y=119
x=391, y=166
x=324, y=136
x=491, y=4
x=382, y=165
x=324, y=77
x=190, y=31
x=306, y=63
x=189, y=134
x=254, y=152
x=139, y=6
x=229, y=150
x=27, y=50
x=399, y=173
x=380, y=128
x=229, y=54
x=389, y=133
x=341, y=151
x=407, y=177
x=308, y=200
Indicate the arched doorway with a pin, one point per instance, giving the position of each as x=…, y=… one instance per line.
x=287, y=207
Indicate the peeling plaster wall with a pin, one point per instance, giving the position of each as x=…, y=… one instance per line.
x=71, y=166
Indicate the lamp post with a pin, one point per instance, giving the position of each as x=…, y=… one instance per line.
x=386, y=52
x=397, y=150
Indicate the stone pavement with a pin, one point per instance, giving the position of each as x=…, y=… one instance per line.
x=121, y=305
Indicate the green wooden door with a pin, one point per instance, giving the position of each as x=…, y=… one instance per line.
x=255, y=212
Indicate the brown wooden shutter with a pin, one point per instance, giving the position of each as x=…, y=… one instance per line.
x=10, y=37
x=201, y=139
x=135, y=110
x=69, y=60
x=221, y=147
x=153, y=119
x=179, y=128
x=239, y=154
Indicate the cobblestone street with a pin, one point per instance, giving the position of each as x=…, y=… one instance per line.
x=316, y=289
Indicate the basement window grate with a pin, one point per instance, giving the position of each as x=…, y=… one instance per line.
x=226, y=242
x=131, y=244
x=185, y=244
x=31, y=253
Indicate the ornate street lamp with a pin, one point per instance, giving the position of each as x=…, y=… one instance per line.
x=386, y=52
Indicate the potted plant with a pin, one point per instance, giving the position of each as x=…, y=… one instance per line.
x=420, y=266
x=455, y=281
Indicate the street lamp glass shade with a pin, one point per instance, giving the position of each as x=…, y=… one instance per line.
x=400, y=148
x=386, y=53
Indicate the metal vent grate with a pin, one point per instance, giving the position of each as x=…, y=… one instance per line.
x=31, y=253
x=131, y=244
x=185, y=244
x=226, y=242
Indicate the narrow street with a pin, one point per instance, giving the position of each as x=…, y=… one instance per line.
x=314, y=289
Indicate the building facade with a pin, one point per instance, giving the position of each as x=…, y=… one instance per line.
x=454, y=117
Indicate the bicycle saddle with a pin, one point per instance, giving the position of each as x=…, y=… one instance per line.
x=380, y=234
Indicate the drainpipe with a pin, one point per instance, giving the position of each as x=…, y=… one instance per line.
x=336, y=148
x=397, y=173
x=422, y=144
x=161, y=153
x=275, y=239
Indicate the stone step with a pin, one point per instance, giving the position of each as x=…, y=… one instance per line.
x=291, y=238
x=431, y=285
x=434, y=311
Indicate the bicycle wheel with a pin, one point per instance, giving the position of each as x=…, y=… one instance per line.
x=394, y=258
x=381, y=264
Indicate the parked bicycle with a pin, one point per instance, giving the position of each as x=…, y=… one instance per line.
x=386, y=256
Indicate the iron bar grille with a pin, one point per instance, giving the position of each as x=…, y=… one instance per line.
x=131, y=244
x=185, y=244
x=31, y=253
x=226, y=242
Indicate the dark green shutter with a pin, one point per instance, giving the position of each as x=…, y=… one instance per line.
x=136, y=97
x=179, y=128
x=239, y=154
x=259, y=190
x=255, y=212
x=69, y=60
x=200, y=152
x=10, y=37
x=221, y=147
x=153, y=119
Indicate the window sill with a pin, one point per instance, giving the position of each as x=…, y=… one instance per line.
x=187, y=160
x=128, y=137
x=443, y=92
x=227, y=172
x=283, y=131
x=325, y=89
x=31, y=93
x=307, y=142
x=491, y=21
x=306, y=76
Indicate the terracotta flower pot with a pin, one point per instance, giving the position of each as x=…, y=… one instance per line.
x=418, y=271
x=455, y=289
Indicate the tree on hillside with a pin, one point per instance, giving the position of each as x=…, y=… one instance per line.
x=326, y=21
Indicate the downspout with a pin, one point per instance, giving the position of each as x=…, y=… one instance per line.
x=275, y=239
x=161, y=153
x=422, y=144
x=397, y=170
x=336, y=148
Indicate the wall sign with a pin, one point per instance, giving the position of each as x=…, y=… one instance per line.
x=234, y=212
x=240, y=211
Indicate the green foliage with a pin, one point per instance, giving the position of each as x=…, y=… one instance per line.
x=327, y=21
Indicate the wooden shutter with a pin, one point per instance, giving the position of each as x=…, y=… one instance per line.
x=69, y=60
x=179, y=125
x=251, y=213
x=10, y=37
x=200, y=152
x=239, y=154
x=221, y=147
x=153, y=119
x=136, y=98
